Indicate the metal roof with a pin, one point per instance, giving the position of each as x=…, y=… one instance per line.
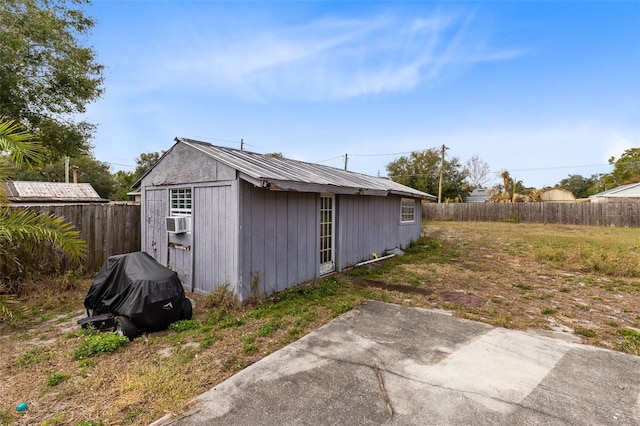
x=51, y=192
x=286, y=174
x=631, y=190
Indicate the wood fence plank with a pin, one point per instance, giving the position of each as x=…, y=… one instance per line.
x=589, y=214
x=108, y=229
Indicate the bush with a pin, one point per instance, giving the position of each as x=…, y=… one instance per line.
x=100, y=343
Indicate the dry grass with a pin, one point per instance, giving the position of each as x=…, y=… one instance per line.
x=577, y=280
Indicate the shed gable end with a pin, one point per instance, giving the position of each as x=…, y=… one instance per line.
x=183, y=164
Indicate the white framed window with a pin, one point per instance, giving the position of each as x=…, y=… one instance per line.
x=181, y=201
x=407, y=210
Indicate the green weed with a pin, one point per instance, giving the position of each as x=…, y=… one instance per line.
x=525, y=287
x=548, y=311
x=268, y=329
x=586, y=332
x=342, y=307
x=34, y=356
x=250, y=346
x=55, y=379
x=5, y=417
x=99, y=344
x=90, y=423
x=183, y=325
x=631, y=342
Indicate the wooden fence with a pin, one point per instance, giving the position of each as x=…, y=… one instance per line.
x=108, y=229
x=594, y=214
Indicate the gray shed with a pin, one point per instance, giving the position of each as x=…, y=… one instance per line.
x=252, y=222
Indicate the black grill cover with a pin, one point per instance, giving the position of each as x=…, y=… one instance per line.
x=136, y=286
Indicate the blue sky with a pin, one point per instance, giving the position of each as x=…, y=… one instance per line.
x=541, y=89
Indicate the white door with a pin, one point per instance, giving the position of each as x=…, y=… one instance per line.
x=327, y=252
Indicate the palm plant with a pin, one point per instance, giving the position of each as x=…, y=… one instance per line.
x=25, y=230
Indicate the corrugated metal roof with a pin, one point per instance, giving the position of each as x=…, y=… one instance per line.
x=23, y=191
x=274, y=172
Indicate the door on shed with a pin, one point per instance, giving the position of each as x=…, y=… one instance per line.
x=327, y=232
x=155, y=236
x=215, y=239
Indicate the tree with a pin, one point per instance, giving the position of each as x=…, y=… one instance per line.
x=478, y=172
x=626, y=169
x=124, y=180
x=578, y=185
x=421, y=170
x=145, y=161
x=122, y=185
x=47, y=75
x=23, y=231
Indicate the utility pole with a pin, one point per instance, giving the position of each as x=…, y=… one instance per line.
x=241, y=144
x=346, y=160
x=441, y=173
x=66, y=169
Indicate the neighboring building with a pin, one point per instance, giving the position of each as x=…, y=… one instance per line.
x=50, y=193
x=624, y=193
x=257, y=223
x=479, y=195
x=135, y=196
x=557, y=195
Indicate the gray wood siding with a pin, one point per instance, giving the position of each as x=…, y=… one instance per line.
x=215, y=235
x=367, y=225
x=179, y=254
x=278, y=246
x=155, y=204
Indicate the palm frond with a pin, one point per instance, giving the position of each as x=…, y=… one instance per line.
x=21, y=145
x=23, y=226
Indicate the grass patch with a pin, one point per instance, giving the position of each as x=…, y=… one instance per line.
x=98, y=344
x=548, y=311
x=525, y=287
x=589, y=253
x=586, y=332
x=249, y=345
x=56, y=378
x=631, y=342
x=35, y=356
x=268, y=329
x=183, y=325
x=90, y=423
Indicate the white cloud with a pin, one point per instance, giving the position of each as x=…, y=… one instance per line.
x=330, y=58
x=615, y=145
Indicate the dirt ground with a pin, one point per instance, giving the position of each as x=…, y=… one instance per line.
x=489, y=274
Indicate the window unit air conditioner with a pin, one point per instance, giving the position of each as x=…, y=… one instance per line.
x=177, y=224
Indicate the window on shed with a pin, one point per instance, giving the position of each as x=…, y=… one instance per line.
x=407, y=210
x=180, y=201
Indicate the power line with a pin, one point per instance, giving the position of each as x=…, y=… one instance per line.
x=329, y=159
x=123, y=165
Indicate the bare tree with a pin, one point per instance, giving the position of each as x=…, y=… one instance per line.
x=478, y=172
